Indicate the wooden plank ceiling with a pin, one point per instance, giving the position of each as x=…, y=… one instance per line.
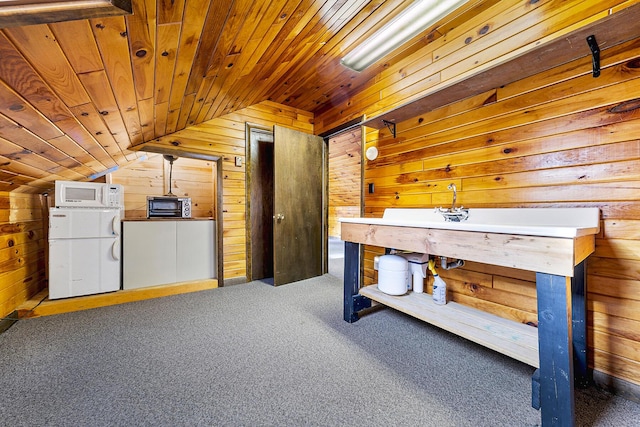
x=75, y=95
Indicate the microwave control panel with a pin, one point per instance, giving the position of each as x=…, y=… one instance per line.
x=113, y=196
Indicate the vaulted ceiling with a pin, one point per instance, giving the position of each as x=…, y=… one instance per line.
x=77, y=94
x=74, y=95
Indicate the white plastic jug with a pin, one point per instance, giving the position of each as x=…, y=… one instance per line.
x=393, y=275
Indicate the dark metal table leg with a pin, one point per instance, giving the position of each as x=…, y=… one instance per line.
x=583, y=375
x=353, y=302
x=556, y=378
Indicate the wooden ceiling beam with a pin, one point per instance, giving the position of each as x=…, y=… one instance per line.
x=14, y=13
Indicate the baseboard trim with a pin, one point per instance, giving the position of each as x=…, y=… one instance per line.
x=47, y=307
x=235, y=281
x=617, y=386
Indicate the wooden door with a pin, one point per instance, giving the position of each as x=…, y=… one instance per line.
x=298, y=205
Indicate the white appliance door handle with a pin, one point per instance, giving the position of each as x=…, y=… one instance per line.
x=115, y=250
x=115, y=225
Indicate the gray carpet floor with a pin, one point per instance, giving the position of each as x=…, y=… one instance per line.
x=255, y=355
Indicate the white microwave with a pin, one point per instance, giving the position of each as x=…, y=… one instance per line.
x=89, y=195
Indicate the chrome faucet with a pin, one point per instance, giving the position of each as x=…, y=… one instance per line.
x=453, y=214
x=452, y=186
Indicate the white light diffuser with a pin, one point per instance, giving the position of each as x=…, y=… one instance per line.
x=408, y=24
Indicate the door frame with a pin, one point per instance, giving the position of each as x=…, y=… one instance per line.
x=357, y=122
x=250, y=128
x=345, y=127
x=217, y=159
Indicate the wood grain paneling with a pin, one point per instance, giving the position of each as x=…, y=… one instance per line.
x=150, y=177
x=26, y=12
x=563, y=139
x=345, y=163
x=22, y=249
x=225, y=137
x=84, y=91
x=492, y=36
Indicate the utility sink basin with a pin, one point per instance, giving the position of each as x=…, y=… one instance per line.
x=550, y=222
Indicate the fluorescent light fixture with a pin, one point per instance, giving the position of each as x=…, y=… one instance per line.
x=408, y=24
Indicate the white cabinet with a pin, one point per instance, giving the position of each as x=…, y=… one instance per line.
x=158, y=252
x=195, y=250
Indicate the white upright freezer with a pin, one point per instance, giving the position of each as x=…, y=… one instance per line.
x=84, y=251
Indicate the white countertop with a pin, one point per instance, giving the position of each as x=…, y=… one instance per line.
x=549, y=222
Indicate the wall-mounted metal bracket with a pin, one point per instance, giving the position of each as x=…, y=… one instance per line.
x=595, y=53
x=391, y=126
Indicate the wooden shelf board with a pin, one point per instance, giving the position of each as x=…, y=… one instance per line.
x=511, y=338
x=40, y=305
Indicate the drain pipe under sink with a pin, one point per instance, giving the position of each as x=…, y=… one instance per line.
x=444, y=264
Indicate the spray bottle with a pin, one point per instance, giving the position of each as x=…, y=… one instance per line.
x=439, y=286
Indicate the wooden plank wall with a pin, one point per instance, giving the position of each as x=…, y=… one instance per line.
x=149, y=177
x=345, y=160
x=558, y=139
x=22, y=248
x=196, y=179
x=457, y=50
x=225, y=137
